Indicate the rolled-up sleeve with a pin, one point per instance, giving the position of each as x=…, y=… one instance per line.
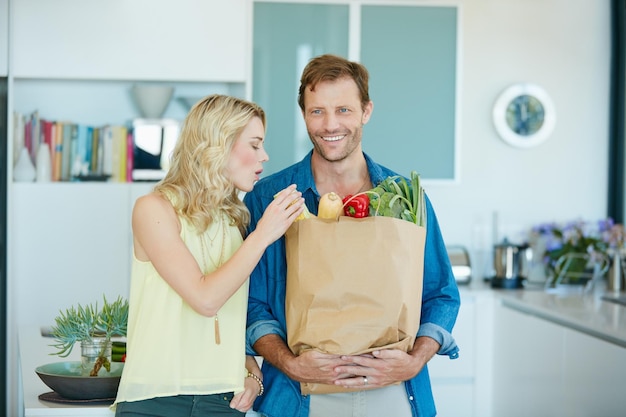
x=267, y=281
x=442, y=336
x=440, y=297
x=261, y=328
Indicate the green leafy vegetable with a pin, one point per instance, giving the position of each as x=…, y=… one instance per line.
x=399, y=198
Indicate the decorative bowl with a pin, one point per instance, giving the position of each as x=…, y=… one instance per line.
x=152, y=99
x=67, y=380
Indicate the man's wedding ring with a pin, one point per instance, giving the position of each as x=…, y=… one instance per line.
x=364, y=380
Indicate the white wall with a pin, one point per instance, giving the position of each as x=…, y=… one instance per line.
x=4, y=37
x=564, y=46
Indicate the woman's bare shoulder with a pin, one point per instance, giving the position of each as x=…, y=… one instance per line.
x=153, y=203
x=153, y=199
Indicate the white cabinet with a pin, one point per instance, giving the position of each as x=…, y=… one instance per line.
x=459, y=385
x=545, y=369
x=71, y=243
x=453, y=380
x=527, y=364
x=594, y=376
x=185, y=40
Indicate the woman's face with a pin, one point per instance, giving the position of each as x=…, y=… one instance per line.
x=245, y=163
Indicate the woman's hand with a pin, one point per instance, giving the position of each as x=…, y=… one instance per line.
x=280, y=213
x=243, y=400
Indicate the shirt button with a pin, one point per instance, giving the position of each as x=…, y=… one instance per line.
x=410, y=398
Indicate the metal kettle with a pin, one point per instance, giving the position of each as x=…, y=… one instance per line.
x=511, y=263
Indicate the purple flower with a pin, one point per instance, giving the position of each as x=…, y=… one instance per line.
x=578, y=237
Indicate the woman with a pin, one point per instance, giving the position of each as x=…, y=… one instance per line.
x=189, y=284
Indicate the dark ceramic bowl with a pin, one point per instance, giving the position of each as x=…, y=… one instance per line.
x=66, y=379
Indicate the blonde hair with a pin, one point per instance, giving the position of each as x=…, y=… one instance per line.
x=195, y=182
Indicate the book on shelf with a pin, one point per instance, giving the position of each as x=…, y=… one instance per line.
x=81, y=158
x=116, y=153
x=57, y=160
x=114, y=145
x=69, y=131
x=106, y=137
x=47, y=127
x=119, y=153
x=130, y=147
x=48, y=139
x=95, y=151
x=28, y=137
x=35, y=134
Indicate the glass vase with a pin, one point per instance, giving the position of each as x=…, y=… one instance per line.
x=577, y=272
x=95, y=356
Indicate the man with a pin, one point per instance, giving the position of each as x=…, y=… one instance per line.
x=335, y=104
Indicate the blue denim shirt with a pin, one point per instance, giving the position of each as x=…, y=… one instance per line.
x=266, y=305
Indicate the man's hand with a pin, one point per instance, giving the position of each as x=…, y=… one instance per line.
x=314, y=366
x=386, y=366
x=310, y=366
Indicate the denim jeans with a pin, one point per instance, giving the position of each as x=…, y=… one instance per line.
x=180, y=406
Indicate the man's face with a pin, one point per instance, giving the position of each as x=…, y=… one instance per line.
x=334, y=118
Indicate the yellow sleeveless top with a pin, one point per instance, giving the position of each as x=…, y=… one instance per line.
x=171, y=349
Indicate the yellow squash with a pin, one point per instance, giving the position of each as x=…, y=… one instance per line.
x=306, y=214
x=330, y=207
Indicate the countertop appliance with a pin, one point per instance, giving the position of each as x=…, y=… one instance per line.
x=460, y=262
x=511, y=263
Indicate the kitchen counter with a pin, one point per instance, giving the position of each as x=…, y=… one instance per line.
x=586, y=313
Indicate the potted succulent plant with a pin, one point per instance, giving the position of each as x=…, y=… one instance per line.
x=94, y=328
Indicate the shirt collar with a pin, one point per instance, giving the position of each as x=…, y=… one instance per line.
x=375, y=171
x=303, y=174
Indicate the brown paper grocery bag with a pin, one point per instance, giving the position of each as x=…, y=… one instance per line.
x=353, y=286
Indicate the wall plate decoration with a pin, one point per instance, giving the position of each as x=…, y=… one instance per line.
x=524, y=115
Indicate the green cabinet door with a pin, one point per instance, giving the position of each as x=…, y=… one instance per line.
x=411, y=54
x=286, y=37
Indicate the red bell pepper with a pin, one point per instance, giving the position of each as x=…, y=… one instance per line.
x=357, y=206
